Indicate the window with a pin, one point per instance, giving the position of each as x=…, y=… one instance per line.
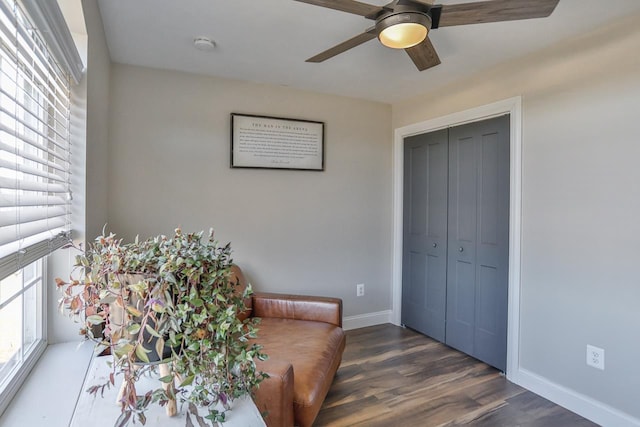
x=21, y=313
x=35, y=152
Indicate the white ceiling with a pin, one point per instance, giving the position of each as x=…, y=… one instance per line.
x=268, y=41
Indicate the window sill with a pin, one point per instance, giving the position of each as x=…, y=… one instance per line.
x=102, y=411
x=54, y=388
x=49, y=395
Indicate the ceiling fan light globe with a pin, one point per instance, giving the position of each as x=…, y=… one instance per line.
x=402, y=36
x=403, y=30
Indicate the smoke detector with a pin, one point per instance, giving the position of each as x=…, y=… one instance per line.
x=204, y=43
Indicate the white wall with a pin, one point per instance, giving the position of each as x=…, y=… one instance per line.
x=292, y=231
x=581, y=204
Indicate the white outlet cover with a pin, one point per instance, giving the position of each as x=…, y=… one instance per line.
x=595, y=357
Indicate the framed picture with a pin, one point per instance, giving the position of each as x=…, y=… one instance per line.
x=276, y=143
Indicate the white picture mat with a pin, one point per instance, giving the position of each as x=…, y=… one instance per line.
x=266, y=142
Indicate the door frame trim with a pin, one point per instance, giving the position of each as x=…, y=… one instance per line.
x=513, y=107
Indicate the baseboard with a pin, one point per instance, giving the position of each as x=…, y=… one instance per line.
x=367, y=319
x=585, y=406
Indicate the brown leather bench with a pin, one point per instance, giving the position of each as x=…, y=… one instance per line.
x=303, y=337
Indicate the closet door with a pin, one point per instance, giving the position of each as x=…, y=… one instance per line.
x=424, y=264
x=478, y=240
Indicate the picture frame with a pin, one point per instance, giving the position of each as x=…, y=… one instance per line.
x=266, y=142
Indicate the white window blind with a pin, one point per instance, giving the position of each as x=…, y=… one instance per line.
x=35, y=147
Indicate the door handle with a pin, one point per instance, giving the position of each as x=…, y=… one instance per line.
x=435, y=245
x=461, y=249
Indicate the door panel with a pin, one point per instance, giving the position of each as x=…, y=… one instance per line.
x=460, y=316
x=486, y=303
x=425, y=234
x=490, y=190
x=463, y=182
x=417, y=269
x=460, y=308
x=479, y=237
x=493, y=243
x=418, y=156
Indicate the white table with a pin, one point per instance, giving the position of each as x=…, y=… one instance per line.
x=97, y=411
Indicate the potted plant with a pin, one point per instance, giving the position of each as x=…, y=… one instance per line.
x=170, y=301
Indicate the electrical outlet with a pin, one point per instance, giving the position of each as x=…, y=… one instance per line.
x=595, y=357
x=360, y=290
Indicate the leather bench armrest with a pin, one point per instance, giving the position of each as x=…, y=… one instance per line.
x=298, y=307
x=274, y=396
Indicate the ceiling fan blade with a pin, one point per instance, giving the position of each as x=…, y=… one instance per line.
x=423, y=55
x=349, y=6
x=344, y=46
x=495, y=11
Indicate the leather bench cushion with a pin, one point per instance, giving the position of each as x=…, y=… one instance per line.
x=315, y=351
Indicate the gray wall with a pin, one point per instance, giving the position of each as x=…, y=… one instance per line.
x=580, y=205
x=98, y=77
x=89, y=150
x=291, y=231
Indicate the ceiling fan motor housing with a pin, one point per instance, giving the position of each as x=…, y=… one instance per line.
x=402, y=17
x=432, y=12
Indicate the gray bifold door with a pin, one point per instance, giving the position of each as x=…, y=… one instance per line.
x=424, y=261
x=456, y=237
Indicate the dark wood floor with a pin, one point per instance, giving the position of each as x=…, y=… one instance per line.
x=392, y=376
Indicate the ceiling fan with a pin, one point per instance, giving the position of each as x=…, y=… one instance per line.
x=404, y=24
